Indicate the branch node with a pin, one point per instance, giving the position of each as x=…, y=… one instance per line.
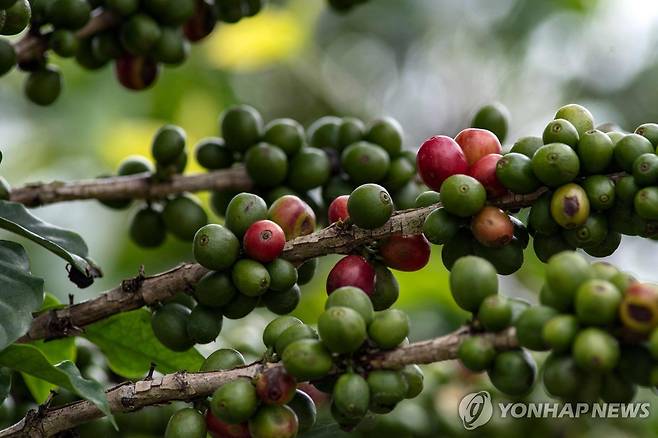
x=132, y=285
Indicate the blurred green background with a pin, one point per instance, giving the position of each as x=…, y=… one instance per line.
x=428, y=63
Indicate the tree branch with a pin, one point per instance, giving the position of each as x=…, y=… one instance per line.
x=140, y=186
x=183, y=386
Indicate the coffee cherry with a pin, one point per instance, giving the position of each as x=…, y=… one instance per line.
x=639, y=307
x=546, y=246
x=283, y=275
x=244, y=210
x=204, y=325
x=264, y=241
x=438, y=158
x=168, y=143
x=596, y=151
x=560, y=131
x=578, y=115
x=400, y=172
x=506, y=259
x=287, y=134
x=17, y=17
x=462, y=195
x=527, y=146
x=123, y=7
x=6, y=4
x=64, y=43
x=600, y=191
x=293, y=215
x=133, y=165
x=212, y=153
x=341, y=329
x=215, y=289
x=570, y=206
x=389, y=328
x=351, y=396
x=353, y=298
x=561, y=376
x=87, y=58
x=307, y=359
x=514, y=171
x=472, y=279
x=592, y=233
x=427, y=198
x=139, y=34
x=304, y=408
x=188, y=423
x=136, y=72
x=559, y=332
x=147, y=228
x=595, y=350
x=555, y=164
x=566, y=272
x=235, y=401
x=354, y=271
x=530, y=324
x=308, y=169
x=275, y=386
x=476, y=143
x=646, y=203
x=635, y=364
x=387, y=389
x=7, y=56
x=493, y=117
x=629, y=148
x=387, y=133
x=293, y=334
x=476, y=353
x=105, y=46
x=184, y=216
x=492, y=227
x=495, y=313
x=282, y=302
x=306, y=271
x=484, y=170
x=223, y=359
x=370, y=206
x=352, y=130
x=513, y=372
x=405, y=253
x=338, y=209
x=274, y=422
x=202, y=22
x=250, y=277
x=597, y=302
x=649, y=131
x=386, y=290
x=169, y=325
x=266, y=165
x=44, y=86
x=441, y=226
x=323, y=133
x=617, y=389
x=221, y=429
x=645, y=170
x=365, y=162
x=276, y=327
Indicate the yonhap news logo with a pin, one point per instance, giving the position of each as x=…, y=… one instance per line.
x=476, y=409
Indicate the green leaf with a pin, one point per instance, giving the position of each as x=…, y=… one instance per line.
x=28, y=359
x=66, y=244
x=129, y=345
x=20, y=292
x=5, y=383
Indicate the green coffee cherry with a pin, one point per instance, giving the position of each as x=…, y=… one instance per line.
x=184, y=216
x=123, y=7
x=607, y=247
x=350, y=131
x=636, y=364
x=559, y=332
x=267, y=165
x=306, y=271
x=646, y=203
x=44, y=86
x=566, y=272
x=169, y=325
x=626, y=188
x=168, y=143
x=427, y=198
x=287, y=134
x=283, y=275
x=7, y=56
x=561, y=376
x=578, y=116
x=387, y=133
x=240, y=306
x=592, y=233
x=596, y=151
x=355, y=299
x=70, y=14
x=250, y=277
x=64, y=43
x=507, y=259
x=649, y=131
x=476, y=353
x=147, y=228
x=215, y=289
x=223, y=359
x=527, y=146
x=595, y=350
x=530, y=324
x=292, y=334
x=400, y=172
x=216, y=247
x=462, y=195
x=204, y=324
x=546, y=247
x=414, y=377
x=282, y=302
x=513, y=372
x=629, y=148
x=370, y=206
x=555, y=164
x=387, y=389
x=276, y=327
x=387, y=289
x=600, y=191
x=243, y=210
x=139, y=34
x=17, y=18
x=235, y=401
x=540, y=220
x=495, y=313
x=617, y=389
x=106, y=46
x=241, y=127
x=188, y=423
x=351, y=396
x=514, y=171
x=171, y=48
x=324, y=132
x=493, y=117
x=597, y=302
x=307, y=359
x=441, y=226
x=645, y=170
x=305, y=410
x=212, y=153
x=561, y=131
x=365, y=162
x=472, y=279
x=389, y=328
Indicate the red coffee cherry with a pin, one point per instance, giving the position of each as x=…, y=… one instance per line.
x=352, y=270
x=338, y=209
x=438, y=158
x=264, y=241
x=202, y=23
x=405, y=253
x=219, y=429
x=136, y=72
x=484, y=170
x=476, y=143
x=492, y=227
x=275, y=386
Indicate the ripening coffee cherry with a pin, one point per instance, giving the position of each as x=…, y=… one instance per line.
x=405, y=253
x=353, y=298
x=387, y=389
x=266, y=165
x=441, y=226
x=493, y=117
x=273, y=421
x=169, y=325
x=527, y=146
x=476, y=353
x=17, y=18
x=275, y=386
x=438, y=158
x=293, y=215
x=514, y=171
x=352, y=270
x=565, y=273
x=495, y=313
x=139, y=33
x=476, y=143
x=389, y=328
x=484, y=170
x=307, y=359
x=184, y=216
x=338, y=209
x=188, y=423
x=555, y=164
x=578, y=116
x=147, y=228
x=351, y=396
x=168, y=143
x=462, y=195
x=639, y=307
x=560, y=131
x=530, y=324
x=594, y=350
x=387, y=289
x=513, y=372
x=370, y=206
x=235, y=401
x=202, y=22
x=264, y=241
x=287, y=134
x=596, y=151
x=559, y=332
x=223, y=359
x=204, y=324
x=570, y=206
x=243, y=210
x=492, y=227
x=294, y=333
x=44, y=86
x=250, y=277
x=221, y=429
x=629, y=148
x=136, y=72
x=342, y=329
x=472, y=279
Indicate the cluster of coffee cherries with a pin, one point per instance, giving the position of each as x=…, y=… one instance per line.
x=345, y=5
x=141, y=36
x=474, y=287
x=246, y=270
x=585, y=187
